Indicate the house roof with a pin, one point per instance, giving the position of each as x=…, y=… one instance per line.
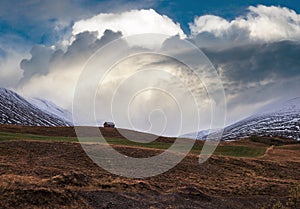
x=109, y=123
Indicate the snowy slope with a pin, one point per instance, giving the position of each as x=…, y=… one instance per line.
x=14, y=109
x=282, y=119
x=51, y=108
x=201, y=135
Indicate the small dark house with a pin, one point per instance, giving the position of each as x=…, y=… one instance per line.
x=109, y=125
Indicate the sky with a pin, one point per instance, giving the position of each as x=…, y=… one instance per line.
x=253, y=45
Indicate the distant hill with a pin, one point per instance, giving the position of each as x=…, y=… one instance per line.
x=279, y=119
x=15, y=109
x=276, y=120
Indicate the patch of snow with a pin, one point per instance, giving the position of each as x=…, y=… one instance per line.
x=51, y=108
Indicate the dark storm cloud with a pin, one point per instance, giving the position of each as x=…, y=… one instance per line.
x=256, y=74
x=257, y=62
x=38, y=64
x=82, y=47
x=87, y=42
x=81, y=44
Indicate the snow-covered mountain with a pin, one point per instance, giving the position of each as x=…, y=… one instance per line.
x=201, y=135
x=15, y=109
x=51, y=108
x=281, y=119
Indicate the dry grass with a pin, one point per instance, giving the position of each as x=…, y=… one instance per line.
x=58, y=175
x=50, y=174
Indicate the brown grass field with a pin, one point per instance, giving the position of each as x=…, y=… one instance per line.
x=47, y=168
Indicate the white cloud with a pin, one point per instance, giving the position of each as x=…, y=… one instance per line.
x=130, y=23
x=209, y=23
x=52, y=74
x=260, y=24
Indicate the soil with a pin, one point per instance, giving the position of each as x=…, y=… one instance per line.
x=39, y=174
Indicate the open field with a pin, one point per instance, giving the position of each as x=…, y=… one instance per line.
x=67, y=134
x=47, y=168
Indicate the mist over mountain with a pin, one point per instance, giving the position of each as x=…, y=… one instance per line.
x=279, y=119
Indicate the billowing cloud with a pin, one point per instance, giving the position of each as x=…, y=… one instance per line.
x=43, y=58
x=260, y=24
x=39, y=62
x=52, y=73
x=130, y=23
x=50, y=68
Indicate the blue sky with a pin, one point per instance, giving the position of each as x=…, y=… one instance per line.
x=254, y=45
x=184, y=11
x=29, y=22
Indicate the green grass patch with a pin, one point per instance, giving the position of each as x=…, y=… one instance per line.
x=240, y=151
x=272, y=141
x=236, y=151
x=19, y=136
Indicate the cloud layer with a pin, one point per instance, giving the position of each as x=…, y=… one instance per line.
x=260, y=24
x=255, y=74
x=256, y=55
x=52, y=73
x=130, y=23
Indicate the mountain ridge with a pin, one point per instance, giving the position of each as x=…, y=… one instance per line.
x=51, y=108
x=282, y=120
x=15, y=109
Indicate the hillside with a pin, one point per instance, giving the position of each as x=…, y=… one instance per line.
x=51, y=108
x=49, y=174
x=280, y=119
x=15, y=109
